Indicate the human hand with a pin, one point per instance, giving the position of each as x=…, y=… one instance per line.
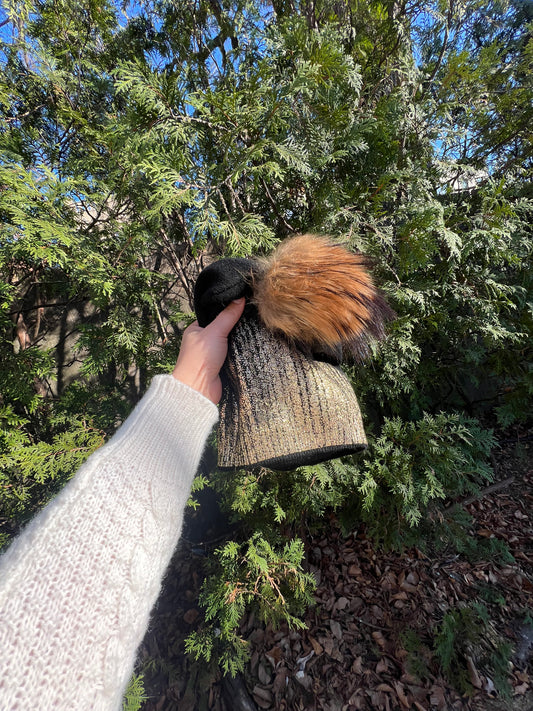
x=203, y=352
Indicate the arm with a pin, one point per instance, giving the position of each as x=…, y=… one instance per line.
x=77, y=586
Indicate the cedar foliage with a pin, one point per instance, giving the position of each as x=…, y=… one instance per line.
x=466, y=632
x=138, y=141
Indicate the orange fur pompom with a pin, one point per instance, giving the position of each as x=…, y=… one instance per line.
x=320, y=296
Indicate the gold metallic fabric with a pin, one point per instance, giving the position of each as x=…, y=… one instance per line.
x=280, y=407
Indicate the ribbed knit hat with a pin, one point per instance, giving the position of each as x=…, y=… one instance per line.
x=286, y=402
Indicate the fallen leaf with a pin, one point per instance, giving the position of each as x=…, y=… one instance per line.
x=335, y=629
x=264, y=673
x=274, y=656
x=317, y=648
x=357, y=666
x=389, y=581
x=382, y=666
x=356, y=700
x=377, y=698
x=401, y=695
x=400, y=596
x=342, y=603
x=379, y=639
x=473, y=674
x=437, y=698
x=418, y=692
x=408, y=587
x=413, y=578
x=357, y=602
x=485, y=533
x=280, y=681
x=377, y=612
x=385, y=687
x=521, y=689
x=262, y=697
x=328, y=645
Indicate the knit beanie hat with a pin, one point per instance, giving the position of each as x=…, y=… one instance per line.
x=286, y=402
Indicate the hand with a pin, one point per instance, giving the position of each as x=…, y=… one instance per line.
x=203, y=352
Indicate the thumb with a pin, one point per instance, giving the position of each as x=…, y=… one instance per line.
x=227, y=319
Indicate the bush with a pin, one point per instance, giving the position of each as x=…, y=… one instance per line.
x=254, y=575
x=124, y=169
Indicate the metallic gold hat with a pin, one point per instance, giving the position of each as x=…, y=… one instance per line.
x=286, y=402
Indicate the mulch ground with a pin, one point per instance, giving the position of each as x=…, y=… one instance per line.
x=369, y=642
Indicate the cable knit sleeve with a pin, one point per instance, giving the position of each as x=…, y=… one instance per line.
x=77, y=586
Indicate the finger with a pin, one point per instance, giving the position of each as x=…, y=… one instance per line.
x=226, y=319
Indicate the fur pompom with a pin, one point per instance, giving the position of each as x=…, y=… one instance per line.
x=320, y=296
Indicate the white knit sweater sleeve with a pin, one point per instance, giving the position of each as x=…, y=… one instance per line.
x=77, y=586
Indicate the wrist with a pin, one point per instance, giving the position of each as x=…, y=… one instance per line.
x=197, y=381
